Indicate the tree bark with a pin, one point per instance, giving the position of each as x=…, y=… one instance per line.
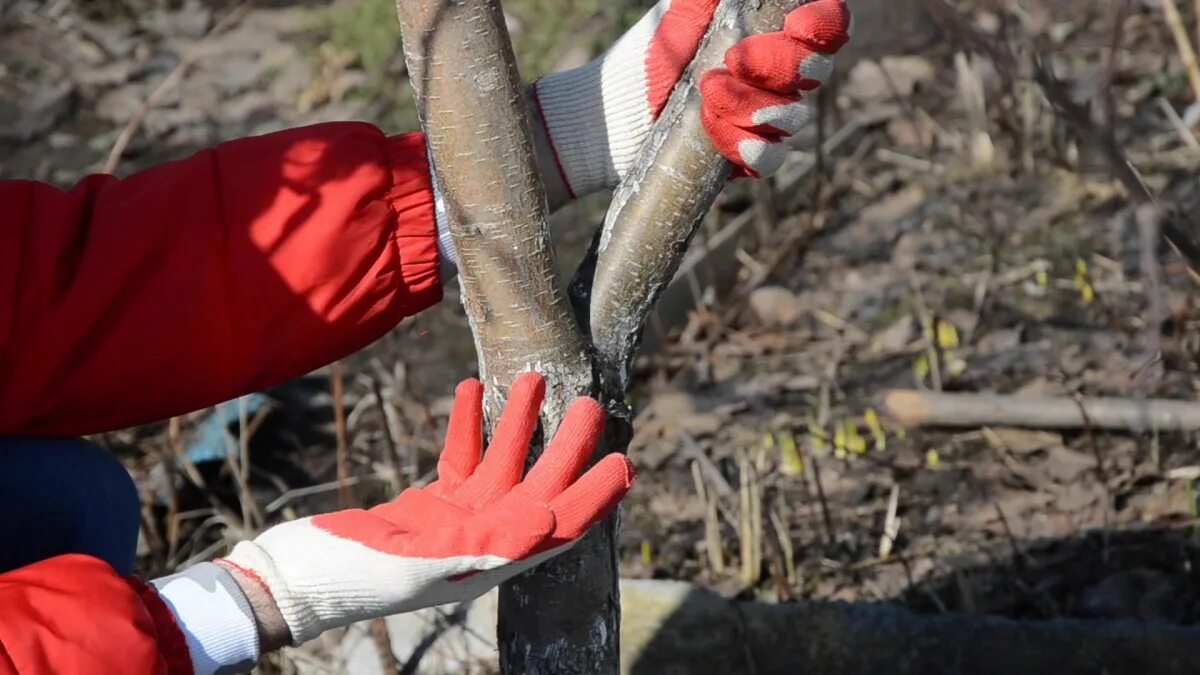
x=564, y=616
x=470, y=101
x=659, y=205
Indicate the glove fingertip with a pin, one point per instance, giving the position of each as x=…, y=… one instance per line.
x=761, y=157
x=527, y=391
x=593, y=496
x=470, y=388
x=586, y=414
x=824, y=25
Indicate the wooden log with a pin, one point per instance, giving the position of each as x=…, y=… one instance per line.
x=944, y=409
x=676, y=627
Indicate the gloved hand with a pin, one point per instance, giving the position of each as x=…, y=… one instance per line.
x=598, y=115
x=476, y=526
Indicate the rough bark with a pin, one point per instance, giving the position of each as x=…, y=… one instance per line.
x=563, y=616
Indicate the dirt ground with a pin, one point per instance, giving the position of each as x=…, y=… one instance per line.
x=957, y=234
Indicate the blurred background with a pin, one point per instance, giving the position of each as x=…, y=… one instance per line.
x=959, y=220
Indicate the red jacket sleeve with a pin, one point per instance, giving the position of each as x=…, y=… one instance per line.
x=73, y=614
x=191, y=283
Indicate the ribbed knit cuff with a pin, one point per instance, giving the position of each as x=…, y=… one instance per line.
x=445, y=243
x=598, y=115
x=571, y=107
x=215, y=617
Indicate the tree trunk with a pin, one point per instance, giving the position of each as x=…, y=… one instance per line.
x=470, y=101
x=564, y=616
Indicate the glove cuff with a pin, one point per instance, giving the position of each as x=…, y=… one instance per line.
x=445, y=243
x=214, y=617
x=255, y=562
x=597, y=117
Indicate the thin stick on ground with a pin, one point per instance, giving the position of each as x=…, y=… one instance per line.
x=174, y=450
x=891, y=524
x=823, y=425
x=1150, y=374
x=1116, y=37
x=389, y=438
x=167, y=85
x=241, y=478
x=1183, y=43
x=383, y=645
x=337, y=385
x=969, y=410
x=712, y=525
x=1196, y=5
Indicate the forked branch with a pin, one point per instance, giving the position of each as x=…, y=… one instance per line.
x=563, y=617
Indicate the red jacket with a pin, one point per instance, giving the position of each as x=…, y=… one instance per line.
x=191, y=283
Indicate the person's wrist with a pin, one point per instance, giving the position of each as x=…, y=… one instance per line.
x=273, y=631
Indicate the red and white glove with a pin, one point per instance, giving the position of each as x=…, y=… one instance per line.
x=599, y=114
x=476, y=526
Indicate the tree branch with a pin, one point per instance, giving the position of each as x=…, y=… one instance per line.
x=470, y=100
x=660, y=203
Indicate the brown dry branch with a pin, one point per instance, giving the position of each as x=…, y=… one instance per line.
x=1150, y=374
x=1196, y=4
x=966, y=410
x=337, y=389
x=1183, y=43
x=168, y=83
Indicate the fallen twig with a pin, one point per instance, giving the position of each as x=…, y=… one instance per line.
x=169, y=82
x=923, y=408
x=1183, y=43
x=338, y=389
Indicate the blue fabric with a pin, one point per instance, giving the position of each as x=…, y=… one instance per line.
x=61, y=496
x=212, y=437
